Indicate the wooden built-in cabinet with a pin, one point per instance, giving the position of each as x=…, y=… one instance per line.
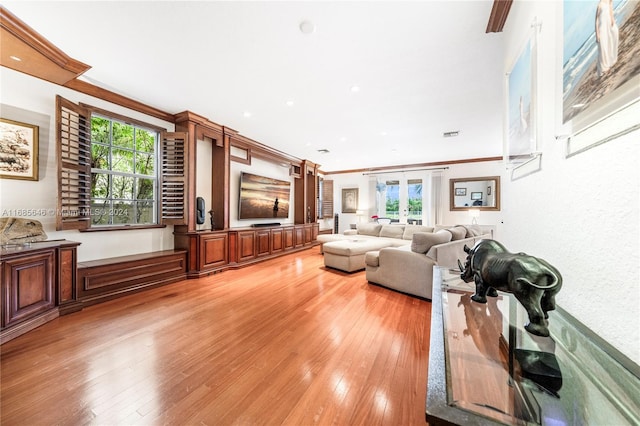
x=38, y=284
x=199, y=128
x=221, y=247
x=214, y=251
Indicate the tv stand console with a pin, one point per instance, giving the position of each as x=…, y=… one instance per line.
x=209, y=252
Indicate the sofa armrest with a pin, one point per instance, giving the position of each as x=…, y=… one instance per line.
x=402, y=270
x=448, y=254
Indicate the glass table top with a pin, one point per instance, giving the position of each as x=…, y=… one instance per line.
x=495, y=371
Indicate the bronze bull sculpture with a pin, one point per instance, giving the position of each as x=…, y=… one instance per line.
x=533, y=281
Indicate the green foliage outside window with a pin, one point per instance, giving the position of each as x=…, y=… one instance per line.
x=123, y=173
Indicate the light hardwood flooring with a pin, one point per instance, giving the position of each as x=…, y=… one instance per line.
x=285, y=341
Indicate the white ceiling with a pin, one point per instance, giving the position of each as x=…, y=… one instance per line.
x=423, y=68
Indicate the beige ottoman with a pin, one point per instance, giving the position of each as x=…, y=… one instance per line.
x=348, y=255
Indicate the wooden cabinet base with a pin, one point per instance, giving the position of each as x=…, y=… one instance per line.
x=38, y=281
x=106, y=279
x=210, y=252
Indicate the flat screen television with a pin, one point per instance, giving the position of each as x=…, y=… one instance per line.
x=263, y=197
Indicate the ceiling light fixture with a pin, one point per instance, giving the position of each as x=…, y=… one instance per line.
x=451, y=134
x=247, y=114
x=307, y=27
x=323, y=151
x=289, y=102
x=355, y=89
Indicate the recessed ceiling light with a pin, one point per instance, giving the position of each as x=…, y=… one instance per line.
x=451, y=134
x=289, y=102
x=343, y=139
x=355, y=89
x=323, y=151
x=247, y=114
x=15, y=58
x=307, y=27
x=383, y=133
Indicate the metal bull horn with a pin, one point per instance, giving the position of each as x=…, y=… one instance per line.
x=460, y=266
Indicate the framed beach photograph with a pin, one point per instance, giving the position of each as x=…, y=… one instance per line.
x=18, y=150
x=349, y=200
x=521, y=132
x=600, y=70
x=461, y=192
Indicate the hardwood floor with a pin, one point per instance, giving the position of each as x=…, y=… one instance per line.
x=281, y=342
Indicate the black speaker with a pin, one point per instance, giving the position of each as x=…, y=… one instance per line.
x=199, y=210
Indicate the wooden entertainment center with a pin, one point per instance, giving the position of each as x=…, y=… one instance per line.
x=223, y=247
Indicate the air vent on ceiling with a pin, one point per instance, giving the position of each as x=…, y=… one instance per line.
x=323, y=151
x=451, y=134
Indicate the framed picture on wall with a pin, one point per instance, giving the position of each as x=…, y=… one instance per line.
x=521, y=99
x=461, y=192
x=18, y=150
x=600, y=71
x=349, y=200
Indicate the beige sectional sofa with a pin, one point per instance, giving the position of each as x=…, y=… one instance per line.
x=400, y=257
x=347, y=251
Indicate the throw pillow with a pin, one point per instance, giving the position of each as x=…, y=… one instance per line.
x=409, y=230
x=423, y=241
x=392, y=231
x=372, y=229
x=472, y=230
x=457, y=233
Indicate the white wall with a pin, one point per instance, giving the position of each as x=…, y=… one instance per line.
x=466, y=170
x=366, y=195
x=27, y=99
x=580, y=213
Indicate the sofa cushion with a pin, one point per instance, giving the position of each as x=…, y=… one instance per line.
x=457, y=233
x=409, y=230
x=472, y=230
x=423, y=241
x=372, y=229
x=392, y=231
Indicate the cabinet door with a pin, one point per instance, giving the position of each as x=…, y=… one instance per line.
x=299, y=240
x=308, y=234
x=276, y=240
x=67, y=268
x=288, y=238
x=27, y=286
x=213, y=250
x=263, y=242
x=246, y=245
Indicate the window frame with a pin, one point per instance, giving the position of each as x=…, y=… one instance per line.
x=137, y=124
x=73, y=144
